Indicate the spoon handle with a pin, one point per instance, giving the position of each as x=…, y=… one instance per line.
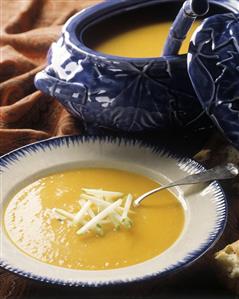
x=217, y=173
x=224, y=172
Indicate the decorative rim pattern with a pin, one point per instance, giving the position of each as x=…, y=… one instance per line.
x=186, y=164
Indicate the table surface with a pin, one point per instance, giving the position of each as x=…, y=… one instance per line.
x=28, y=28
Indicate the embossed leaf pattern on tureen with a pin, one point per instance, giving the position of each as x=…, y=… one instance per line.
x=124, y=94
x=214, y=70
x=127, y=95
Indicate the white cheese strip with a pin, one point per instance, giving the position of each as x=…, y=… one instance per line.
x=101, y=202
x=107, y=211
x=127, y=206
x=64, y=213
x=108, y=195
x=81, y=214
x=89, y=211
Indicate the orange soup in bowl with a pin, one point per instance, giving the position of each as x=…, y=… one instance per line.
x=45, y=220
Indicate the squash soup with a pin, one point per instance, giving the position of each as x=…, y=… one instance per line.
x=123, y=235
x=136, y=33
x=139, y=42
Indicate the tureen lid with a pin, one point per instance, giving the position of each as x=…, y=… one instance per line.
x=213, y=66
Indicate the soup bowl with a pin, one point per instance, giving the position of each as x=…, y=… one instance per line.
x=120, y=93
x=205, y=207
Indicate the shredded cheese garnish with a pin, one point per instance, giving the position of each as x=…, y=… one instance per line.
x=98, y=208
x=101, y=202
x=99, y=217
x=108, y=195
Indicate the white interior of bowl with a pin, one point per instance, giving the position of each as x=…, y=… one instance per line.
x=205, y=209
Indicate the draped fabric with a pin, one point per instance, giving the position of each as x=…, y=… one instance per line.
x=28, y=27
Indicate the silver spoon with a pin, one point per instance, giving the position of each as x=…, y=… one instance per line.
x=224, y=172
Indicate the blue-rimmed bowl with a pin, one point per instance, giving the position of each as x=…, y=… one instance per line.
x=123, y=93
x=205, y=208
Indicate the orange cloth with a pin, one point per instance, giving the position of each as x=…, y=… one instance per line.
x=28, y=28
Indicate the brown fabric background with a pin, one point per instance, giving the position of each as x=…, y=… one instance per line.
x=26, y=115
x=28, y=27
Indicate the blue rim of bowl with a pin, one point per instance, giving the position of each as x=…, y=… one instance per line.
x=9, y=158
x=110, y=8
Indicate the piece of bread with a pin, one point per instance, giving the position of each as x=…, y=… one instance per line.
x=227, y=261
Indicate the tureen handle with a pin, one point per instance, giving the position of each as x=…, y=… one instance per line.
x=64, y=91
x=187, y=15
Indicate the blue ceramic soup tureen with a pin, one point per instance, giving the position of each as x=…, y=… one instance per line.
x=138, y=94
